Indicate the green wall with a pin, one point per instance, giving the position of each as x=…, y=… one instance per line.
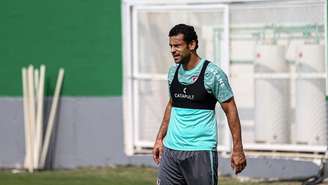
x=82, y=36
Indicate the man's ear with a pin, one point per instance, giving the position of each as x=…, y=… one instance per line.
x=192, y=45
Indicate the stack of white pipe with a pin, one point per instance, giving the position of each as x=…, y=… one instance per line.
x=271, y=96
x=36, y=145
x=310, y=111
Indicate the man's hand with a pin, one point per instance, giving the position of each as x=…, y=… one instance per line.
x=157, y=151
x=238, y=161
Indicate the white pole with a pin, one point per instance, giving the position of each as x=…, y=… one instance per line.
x=36, y=83
x=127, y=90
x=26, y=119
x=39, y=116
x=51, y=119
x=226, y=67
x=35, y=91
x=326, y=43
x=31, y=116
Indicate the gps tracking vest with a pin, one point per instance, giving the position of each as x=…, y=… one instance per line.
x=193, y=96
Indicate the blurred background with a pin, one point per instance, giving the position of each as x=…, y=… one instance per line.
x=116, y=57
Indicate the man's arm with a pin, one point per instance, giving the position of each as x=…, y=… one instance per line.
x=238, y=159
x=158, y=146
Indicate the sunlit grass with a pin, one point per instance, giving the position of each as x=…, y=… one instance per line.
x=102, y=176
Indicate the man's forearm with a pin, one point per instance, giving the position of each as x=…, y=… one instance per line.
x=234, y=125
x=238, y=158
x=165, y=122
x=231, y=112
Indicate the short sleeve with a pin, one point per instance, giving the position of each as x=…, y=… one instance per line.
x=217, y=83
x=170, y=74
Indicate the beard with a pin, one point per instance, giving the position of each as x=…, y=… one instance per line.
x=183, y=60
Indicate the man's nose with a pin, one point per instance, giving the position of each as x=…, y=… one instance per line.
x=173, y=49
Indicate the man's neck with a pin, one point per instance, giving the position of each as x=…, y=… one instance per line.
x=193, y=61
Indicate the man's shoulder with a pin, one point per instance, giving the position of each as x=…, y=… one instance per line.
x=214, y=69
x=173, y=67
x=171, y=72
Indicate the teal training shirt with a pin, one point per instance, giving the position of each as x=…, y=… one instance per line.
x=196, y=129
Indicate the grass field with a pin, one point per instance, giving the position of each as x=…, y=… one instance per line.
x=102, y=176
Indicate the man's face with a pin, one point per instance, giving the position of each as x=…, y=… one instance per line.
x=180, y=50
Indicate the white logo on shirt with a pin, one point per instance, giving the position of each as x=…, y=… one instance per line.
x=221, y=82
x=186, y=96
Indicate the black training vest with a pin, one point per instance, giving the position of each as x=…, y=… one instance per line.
x=193, y=96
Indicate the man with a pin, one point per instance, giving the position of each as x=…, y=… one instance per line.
x=185, y=147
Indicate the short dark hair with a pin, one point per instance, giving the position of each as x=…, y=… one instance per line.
x=189, y=33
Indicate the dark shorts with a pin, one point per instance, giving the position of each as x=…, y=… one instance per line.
x=188, y=168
